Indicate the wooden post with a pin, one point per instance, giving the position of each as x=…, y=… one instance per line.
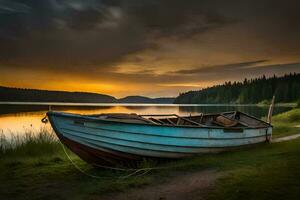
x=271, y=108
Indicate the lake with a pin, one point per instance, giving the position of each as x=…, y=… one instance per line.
x=18, y=118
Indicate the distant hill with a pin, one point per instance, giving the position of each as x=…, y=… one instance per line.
x=32, y=95
x=141, y=99
x=286, y=89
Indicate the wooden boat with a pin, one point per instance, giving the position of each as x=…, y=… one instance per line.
x=115, y=139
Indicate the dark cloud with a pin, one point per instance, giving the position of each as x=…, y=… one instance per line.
x=233, y=71
x=175, y=17
x=219, y=68
x=89, y=38
x=8, y=7
x=83, y=33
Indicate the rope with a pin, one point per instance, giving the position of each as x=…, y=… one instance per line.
x=77, y=167
x=44, y=120
x=135, y=171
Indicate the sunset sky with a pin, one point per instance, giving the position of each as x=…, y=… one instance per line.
x=145, y=47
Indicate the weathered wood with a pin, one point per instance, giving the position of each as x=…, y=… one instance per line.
x=188, y=120
x=201, y=117
x=157, y=120
x=271, y=108
x=157, y=115
x=178, y=122
x=170, y=121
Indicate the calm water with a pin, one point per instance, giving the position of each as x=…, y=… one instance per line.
x=18, y=118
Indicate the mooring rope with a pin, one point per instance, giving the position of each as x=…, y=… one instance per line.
x=77, y=167
x=135, y=171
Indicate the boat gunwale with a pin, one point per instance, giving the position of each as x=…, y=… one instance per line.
x=95, y=119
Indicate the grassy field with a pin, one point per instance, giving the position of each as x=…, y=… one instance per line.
x=35, y=167
x=286, y=123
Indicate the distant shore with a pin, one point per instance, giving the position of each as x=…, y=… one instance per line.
x=292, y=104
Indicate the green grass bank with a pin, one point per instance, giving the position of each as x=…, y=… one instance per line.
x=286, y=123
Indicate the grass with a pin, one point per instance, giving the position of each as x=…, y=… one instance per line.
x=285, y=123
x=34, y=166
x=264, y=102
x=268, y=102
x=30, y=143
x=268, y=172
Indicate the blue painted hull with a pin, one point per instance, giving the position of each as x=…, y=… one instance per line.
x=149, y=140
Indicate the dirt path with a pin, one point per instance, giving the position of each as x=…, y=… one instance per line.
x=286, y=138
x=184, y=186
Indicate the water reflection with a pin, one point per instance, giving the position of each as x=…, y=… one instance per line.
x=18, y=118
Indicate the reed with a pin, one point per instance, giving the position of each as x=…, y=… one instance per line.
x=30, y=143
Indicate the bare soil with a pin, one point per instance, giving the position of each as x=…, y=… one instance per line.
x=194, y=185
x=286, y=138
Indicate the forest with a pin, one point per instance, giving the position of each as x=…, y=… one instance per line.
x=256, y=90
x=32, y=95
x=8, y=94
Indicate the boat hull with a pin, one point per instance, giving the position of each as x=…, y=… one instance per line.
x=102, y=142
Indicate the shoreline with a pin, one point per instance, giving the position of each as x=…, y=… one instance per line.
x=136, y=104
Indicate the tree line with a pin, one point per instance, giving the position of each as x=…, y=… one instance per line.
x=8, y=94
x=32, y=95
x=285, y=88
